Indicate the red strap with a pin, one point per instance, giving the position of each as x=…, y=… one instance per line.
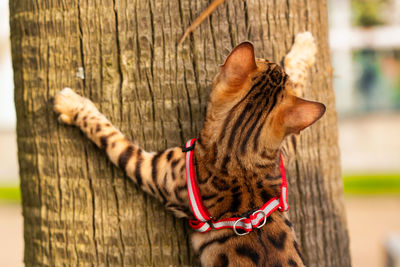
x=196, y=203
x=284, y=206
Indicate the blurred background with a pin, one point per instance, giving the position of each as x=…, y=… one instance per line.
x=365, y=44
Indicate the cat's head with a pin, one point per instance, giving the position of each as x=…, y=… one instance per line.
x=252, y=107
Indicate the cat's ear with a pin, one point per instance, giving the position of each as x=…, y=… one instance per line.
x=239, y=64
x=301, y=113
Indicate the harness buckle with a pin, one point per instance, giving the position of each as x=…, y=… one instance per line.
x=234, y=227
x=265, y=217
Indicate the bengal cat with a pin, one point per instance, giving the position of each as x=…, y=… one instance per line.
x=252, y=107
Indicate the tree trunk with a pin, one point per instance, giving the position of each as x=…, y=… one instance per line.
x=78, y=209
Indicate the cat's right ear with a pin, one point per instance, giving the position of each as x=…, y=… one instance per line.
x=301, y=113
x=239, y=64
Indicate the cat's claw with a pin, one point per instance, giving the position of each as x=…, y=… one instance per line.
x=67, y=104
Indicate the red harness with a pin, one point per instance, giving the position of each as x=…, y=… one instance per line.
x=205, y=222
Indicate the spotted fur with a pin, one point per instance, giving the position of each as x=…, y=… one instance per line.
x=253, y=106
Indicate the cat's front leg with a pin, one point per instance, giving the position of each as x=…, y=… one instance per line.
x=299, y=60
x=159, y=174
x=79, y=111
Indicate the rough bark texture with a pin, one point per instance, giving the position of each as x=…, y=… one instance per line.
x=78, y=208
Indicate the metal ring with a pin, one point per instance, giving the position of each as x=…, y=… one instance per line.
x=265, y=217
x=234, y=227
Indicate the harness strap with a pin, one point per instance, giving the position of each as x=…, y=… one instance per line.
x=205, y=223
x=196, y=203
x=283, y=205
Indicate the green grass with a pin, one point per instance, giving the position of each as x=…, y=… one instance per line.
x=10, y=194
x=372, y=184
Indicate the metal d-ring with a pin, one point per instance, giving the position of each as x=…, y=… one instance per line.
x=234, y=227
x=265, y=217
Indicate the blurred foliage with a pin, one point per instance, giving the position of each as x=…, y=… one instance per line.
x=368, y=13
x=10, y=194
x=372, y=184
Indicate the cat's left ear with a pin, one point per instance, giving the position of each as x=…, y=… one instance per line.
x=301, y=113
x=239, y=64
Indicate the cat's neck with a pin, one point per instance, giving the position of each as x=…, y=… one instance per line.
x=229, y=162
x=240, y=189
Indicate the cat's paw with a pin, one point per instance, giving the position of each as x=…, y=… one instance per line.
x=68, y=104
x=303, y=50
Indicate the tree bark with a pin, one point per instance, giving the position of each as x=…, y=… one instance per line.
x=78, y=209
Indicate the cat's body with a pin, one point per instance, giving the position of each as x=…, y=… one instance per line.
x=252, y=107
